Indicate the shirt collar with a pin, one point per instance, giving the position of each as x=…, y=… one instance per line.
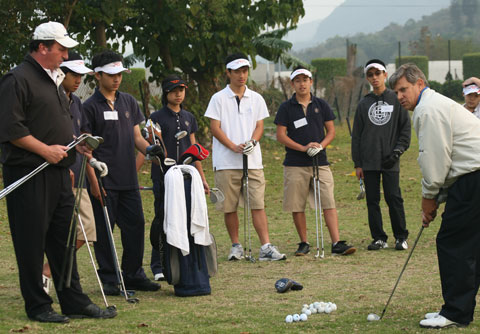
x=247, y=92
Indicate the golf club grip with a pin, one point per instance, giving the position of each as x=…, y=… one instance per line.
x=245, y=165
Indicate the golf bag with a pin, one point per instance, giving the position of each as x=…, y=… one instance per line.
x=189, y=274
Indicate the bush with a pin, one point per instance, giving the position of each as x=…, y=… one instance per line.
x=130, y=82
x=435, y=85
x=453, y=89
x=471, y=65
x=420, y=61
x=328, y=68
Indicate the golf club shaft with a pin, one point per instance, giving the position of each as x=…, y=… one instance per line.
x=110, y=237
x=7, y=190
x=403, y=269
x=315, y=194
x=247, y=205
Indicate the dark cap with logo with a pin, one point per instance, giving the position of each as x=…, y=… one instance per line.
x=171, y=82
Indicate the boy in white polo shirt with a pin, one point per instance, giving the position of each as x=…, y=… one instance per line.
x=236, y=120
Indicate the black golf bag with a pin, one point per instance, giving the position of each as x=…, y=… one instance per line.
x=190, y=274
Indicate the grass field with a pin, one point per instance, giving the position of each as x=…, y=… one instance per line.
x=243, y=298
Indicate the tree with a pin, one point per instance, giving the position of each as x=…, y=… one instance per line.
x=193, y=37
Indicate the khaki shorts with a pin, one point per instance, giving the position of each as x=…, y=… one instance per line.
x=229, y=181
x=86, y=215
x=298, y=187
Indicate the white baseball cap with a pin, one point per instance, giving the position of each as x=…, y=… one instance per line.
x=77, y=66
x=112, y=68
x=471, y=89
x=237, y=63
x=54, y=31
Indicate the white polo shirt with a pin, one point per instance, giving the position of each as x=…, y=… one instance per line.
x=237, y=121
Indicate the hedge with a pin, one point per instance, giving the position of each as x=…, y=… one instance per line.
x=420, y=61
x=471, y=65
x=328, y=68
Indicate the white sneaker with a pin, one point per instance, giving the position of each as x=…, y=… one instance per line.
x=431, y=315
x=47, y=283
x=271, y=253
x=236, y=253
x=159, y=277
x=438, y=322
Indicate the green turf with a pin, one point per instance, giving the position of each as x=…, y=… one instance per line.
x=243, y=298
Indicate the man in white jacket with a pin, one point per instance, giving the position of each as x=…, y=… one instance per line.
x=449, y=158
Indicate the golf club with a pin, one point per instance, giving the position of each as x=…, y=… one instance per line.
x=179, y=135
x=116, y=263
x=70, y=247
x=216, y=195
x=375, y=317
x=318, y=204
x=361, y=194
x=246, y=210
x=93, y=142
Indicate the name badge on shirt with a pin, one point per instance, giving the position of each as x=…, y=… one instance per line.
x=388, y=108
x=300, y=122
x=110, y=115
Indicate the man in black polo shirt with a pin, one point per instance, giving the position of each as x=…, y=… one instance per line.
x=115, y=116
x=36, y=126
x=301, y=122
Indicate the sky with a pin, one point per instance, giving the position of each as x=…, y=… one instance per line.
x=318, y=9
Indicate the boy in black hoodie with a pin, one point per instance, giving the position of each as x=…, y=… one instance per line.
x=381, y=133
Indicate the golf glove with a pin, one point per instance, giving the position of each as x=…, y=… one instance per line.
x=313, y=151
x=249, y=146
x=100, y=166
x=392, y=159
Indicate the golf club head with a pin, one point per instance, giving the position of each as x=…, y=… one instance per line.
x=181, y=134
x=169, y=162
x=216, y=195
x=361, y=194
x=373, y=317
x=133, y=300
x=187, y=161
x=93, y=141
x=112, y=308
x=129, y=293
x=250, y=258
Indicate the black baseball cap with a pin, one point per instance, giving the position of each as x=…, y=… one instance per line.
x=171, y=82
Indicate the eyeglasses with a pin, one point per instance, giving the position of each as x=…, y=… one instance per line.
x=376, y=73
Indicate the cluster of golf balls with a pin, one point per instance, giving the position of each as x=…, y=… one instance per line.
x=307, y=310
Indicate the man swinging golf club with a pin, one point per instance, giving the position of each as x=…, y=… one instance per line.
x=236, y=120
x=36, y=127
x=449, y=158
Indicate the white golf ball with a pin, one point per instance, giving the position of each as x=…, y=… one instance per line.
x=306, y=306
x=334, y=307
x=313, y=310
x=323, y=304
x=296, y=317
x=307, y=312
x=303, y=317
x=316, y=304
x=373, y=317
x=328, y=309
x=304, y=310
x=321, y=309
x=289, y=318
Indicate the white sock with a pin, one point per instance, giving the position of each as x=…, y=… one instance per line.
x=265, y=246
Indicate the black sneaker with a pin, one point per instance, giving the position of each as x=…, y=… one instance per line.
x=111, y=289
x=95, y=312
x=341, y=248
x=142, y=285
x=377, y=244
x=50, y=316
x=401, y=244
x=303, y=249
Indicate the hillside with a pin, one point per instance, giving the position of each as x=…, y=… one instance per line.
x=426, y=36
x=355, y=16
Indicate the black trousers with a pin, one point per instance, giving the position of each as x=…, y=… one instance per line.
x=458, y=249
x=39, y=213
x=393, y=197
x=125, y=210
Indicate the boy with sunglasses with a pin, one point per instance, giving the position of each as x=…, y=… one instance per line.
x=381, y=133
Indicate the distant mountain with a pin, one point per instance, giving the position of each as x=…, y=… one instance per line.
x=362, y=16
x=428, y=36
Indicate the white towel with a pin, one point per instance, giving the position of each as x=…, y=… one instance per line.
x=175, y=221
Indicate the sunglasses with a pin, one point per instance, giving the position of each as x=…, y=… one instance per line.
x=376, y=73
